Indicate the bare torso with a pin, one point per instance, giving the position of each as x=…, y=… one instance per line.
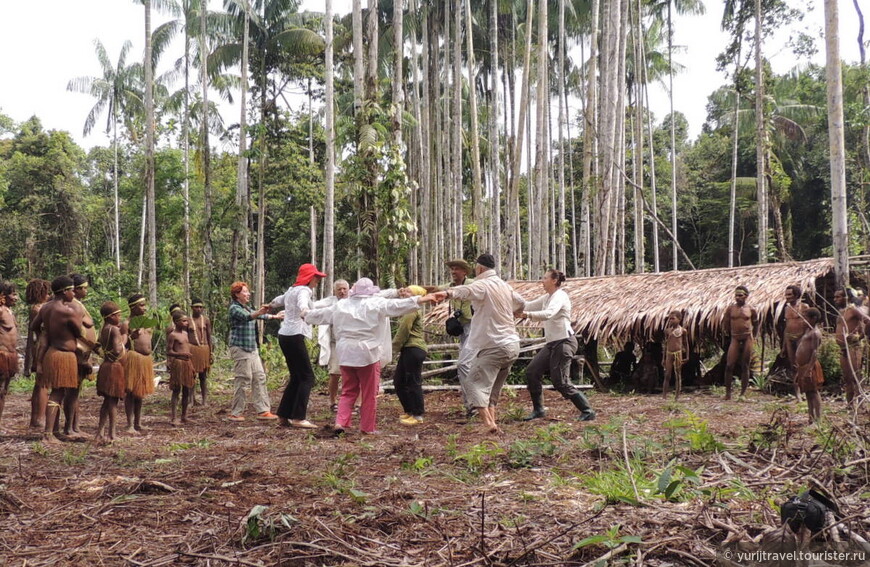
x=62, y=324
x=140, y=339
x=741, y=321
x=199, y=332
x=178, y=344
x=8, y=330
x=795, y=323
x=806, y=350
x=849, y=323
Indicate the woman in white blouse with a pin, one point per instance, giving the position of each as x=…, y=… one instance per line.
x=554, y=309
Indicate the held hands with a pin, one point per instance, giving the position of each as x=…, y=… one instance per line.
x=429, y=298
x=279, y=315
x=438, y=296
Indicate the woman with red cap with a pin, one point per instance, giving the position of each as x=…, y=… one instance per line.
x=291, y=338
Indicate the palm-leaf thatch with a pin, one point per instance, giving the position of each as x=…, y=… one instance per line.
x=615, y=308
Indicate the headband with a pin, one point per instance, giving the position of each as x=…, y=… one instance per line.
x=174, y=309
x=197, y=305
x=67, y=288
x=112, y=313
x=137, y=302
x=82, y=286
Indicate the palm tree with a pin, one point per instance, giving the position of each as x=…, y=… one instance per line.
x=118, y=93
x=834, y=79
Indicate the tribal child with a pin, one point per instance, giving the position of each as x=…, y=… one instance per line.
x=795, y=326
x=36, y=294
x=182, y=376
x=849, y=334
x=201, y=346
x=740, y=323
x=111, y=382
x=809, y=372
x=676, y=352
x=138, y=364
x=8, y=339
x=84, y=349
x=61, y=323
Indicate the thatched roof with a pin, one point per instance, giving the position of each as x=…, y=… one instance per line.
x=637, y=305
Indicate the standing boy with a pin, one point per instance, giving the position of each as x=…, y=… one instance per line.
x=111, y=382
x=182, y=376
x=201, y=346
x=849, y=335
x=676, y=351
x=809, y=372
x=795, y=326
x=138, y=364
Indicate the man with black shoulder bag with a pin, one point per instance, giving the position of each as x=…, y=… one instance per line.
x=459, y=322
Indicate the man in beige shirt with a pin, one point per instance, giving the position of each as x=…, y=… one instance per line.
x=493, y=336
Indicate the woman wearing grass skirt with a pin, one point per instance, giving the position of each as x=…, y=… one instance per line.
x=554, y=309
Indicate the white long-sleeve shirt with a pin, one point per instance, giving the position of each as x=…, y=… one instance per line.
x=294, y=301
x=359, y=325
x=494, y=303
x=555, y=311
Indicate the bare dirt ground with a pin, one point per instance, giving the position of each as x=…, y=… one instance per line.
x=650, y=482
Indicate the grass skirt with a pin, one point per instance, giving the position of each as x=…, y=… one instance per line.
x=8, y=364
x=181, y=374
x=139, y=370
x=810, y=377
x=60, y=369
x=200, y=357
x=111, y=382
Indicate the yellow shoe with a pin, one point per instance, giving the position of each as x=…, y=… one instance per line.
x=404, y=416
x=411, y=420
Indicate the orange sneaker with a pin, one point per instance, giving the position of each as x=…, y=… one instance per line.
x=236, y=418
x=266, y=416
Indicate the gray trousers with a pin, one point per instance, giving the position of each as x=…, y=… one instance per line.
x=487, y=375
x=553, y=359
x=248, y=375
x=463, y=363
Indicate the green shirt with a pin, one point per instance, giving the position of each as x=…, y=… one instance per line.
x=410, y=332
x=243, y=330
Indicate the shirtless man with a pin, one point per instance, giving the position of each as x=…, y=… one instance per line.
x=182, y=376
x=138, y=364
x=741, y=322
x=809, y=371
x=84, y=351
x=676, y=352
x=795, y=326
x=37, y=293
x=849, y=334
x=201, y=346
x=62, y=324
x=8, y=339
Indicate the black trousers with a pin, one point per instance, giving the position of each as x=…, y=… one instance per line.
x=554, y=359
x=408, y=381
x=294, y=402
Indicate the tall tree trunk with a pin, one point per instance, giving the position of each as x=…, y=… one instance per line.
x=240, y=231
x=149, y=160
x=329, y=206
x=733, y=205
x=761, y=139
x=117, y=235
x=477, y=177
x=208, y=252
x=836, y=129
x=358, y=61
x=423, y=130
x=652, y=179
x=673, y=137
x=536, y=260
x=638, y=145
x=562, y=261
x=590, y=141
x=312, y=212
x=185, y=135
x=495, y=145
x=459, y=245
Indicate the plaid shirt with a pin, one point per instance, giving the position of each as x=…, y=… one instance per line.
x=243, y=330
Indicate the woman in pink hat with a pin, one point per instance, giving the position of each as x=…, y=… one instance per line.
x=358, y=323
x=291, y=337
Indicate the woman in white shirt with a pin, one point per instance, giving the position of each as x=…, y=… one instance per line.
x=358, y=323
x=291, y=337
x=554, y=309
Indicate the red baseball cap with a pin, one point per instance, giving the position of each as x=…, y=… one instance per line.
x=306, y=272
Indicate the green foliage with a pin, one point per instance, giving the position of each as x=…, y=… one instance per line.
x=201, y=444
x=479, y=457
x=694, y=431
x=829, y=358
x=260, y=525
x=617, y=484
x=73, y=457
x=675, y=482
x=610, y=539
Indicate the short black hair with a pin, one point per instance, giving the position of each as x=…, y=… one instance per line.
x=795, y=289
x=814, y=314
x=79, y=279
x=7, y=288
x=108, y=308
x=742, y=288
x=61, y=283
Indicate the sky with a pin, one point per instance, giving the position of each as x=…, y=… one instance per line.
x=45, y=43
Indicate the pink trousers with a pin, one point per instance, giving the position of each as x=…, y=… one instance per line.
x=362, y=381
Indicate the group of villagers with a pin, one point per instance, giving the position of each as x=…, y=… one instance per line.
x=63, y=340
x=800, y=336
